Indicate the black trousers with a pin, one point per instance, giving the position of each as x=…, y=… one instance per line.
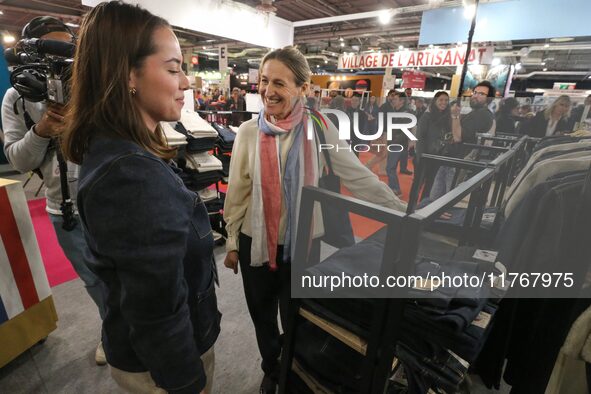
x=266, y=292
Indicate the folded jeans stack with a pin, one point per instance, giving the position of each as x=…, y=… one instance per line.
x=441, y=330
x=203, y=162
x=226, y=137
x=201, y=136
x=173, y=137
x=195, y=181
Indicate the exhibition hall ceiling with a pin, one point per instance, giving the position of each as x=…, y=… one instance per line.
x=323, y=43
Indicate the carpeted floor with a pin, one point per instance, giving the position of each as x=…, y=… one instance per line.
x=57, y=266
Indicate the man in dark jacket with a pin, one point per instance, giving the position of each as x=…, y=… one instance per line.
x=236, y=103
x=396, y=102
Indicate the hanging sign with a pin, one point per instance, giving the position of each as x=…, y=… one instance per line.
x=253, y=75
x=413, y=79
x=223, y=58
x=439, y=57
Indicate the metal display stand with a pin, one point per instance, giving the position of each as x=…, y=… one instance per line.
x=377, y=344
x=401, y=249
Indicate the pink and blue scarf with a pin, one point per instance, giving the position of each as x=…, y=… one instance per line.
x=269, y=185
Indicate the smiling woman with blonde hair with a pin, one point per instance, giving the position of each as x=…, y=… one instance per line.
x=553, y=120
x=271, y=161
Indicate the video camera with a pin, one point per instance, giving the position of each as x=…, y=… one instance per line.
x=42, y=69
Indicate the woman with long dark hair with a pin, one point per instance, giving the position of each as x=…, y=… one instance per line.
x=507, y=116
x=149, y=237
x=437, y=131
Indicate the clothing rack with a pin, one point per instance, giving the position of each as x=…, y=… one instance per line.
x=534, y=325
x=401, y=249
x=213, y=206
x=505, y=166
x=222, y=116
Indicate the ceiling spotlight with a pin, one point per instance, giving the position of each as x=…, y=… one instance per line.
x=342, y=44
x=341, y=39
x=543, y=63
x=234, y=65
x=1, y=12
x=317, y=66
x=351, y=70
x=204, y=47
x=418, y=68
x=438, y=74
x=326, y=62
x=546, y=45
x=400, y=47
x=545, y=69
x=9, y=38
x=496, y=61
x=385, y=17
x=518, y=66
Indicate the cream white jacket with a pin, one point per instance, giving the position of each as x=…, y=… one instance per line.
x=362, y=183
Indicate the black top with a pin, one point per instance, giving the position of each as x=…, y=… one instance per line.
x=505, y=123
x=433, y=133
x=398, y=137
x=479, y=120
x=231, y=105
x=536, y=127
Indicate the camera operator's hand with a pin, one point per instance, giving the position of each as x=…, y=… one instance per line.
x=52, y=122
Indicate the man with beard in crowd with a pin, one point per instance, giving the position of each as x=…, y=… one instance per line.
x=480, y=119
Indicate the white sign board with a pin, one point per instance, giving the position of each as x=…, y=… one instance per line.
x=439, y=57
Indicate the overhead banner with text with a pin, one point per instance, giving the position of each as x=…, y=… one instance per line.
x=448, y=57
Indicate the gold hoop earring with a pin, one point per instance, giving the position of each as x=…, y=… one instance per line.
x=132, y=91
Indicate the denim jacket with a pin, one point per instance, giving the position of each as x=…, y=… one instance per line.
x=150, y=241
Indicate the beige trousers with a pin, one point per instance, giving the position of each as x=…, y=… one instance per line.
x=142, y=382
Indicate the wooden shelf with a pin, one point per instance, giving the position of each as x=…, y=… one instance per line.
x=348, y=338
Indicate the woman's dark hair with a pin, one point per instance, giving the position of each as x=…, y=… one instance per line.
x=433, y=106
x=114, y=39
x=507, y=105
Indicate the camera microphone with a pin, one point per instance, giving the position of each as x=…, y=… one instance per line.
x=14, y=58
x=11, y=56
x=51, y=47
